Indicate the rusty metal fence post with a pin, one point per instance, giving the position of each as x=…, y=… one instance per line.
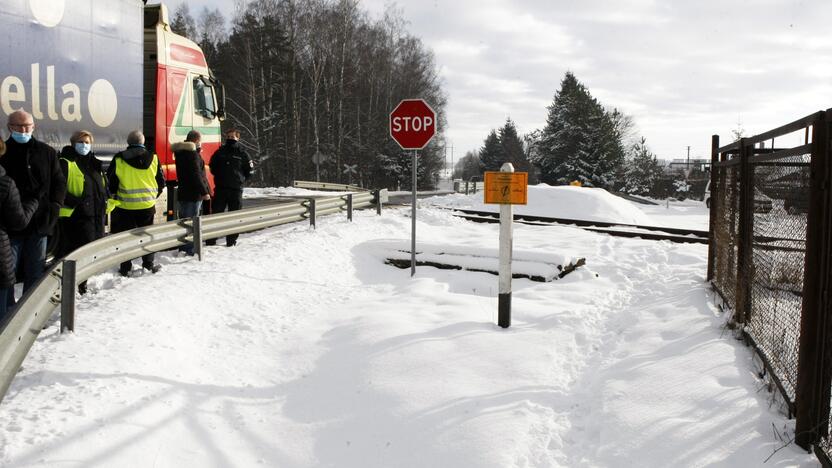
x=814, y=377
x=714, y=197
x=745, y=236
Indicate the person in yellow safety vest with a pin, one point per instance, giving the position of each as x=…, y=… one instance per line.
x=135, y=180
x=81, y=218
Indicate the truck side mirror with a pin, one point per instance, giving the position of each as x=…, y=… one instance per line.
x=220, y=88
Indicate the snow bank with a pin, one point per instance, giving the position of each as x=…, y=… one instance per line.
x=590, y=204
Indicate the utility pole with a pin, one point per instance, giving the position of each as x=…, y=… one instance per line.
x=688, y=163
x=452, y=162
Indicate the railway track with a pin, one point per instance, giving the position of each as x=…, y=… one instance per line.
x=687, y=236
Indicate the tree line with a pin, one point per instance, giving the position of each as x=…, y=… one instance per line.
x=314, y=81
x=582, y=141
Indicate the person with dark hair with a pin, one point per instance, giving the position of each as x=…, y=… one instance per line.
x=135, y=179
x=85, y=205
x=13, y=215
x=231, y=168
x=192, y=183
x=33, y=166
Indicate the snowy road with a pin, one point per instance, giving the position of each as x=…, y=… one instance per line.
x=302, y=348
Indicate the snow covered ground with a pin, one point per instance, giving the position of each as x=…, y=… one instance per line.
x=301, y=348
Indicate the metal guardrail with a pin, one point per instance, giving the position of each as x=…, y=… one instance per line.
x=38, y=305
x=327, y=186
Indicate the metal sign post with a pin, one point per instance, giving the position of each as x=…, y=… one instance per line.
x=413, y=125
x=318, y=158
x=413, y=219
x=349, y=170
x=506, y=245
x=505, y=188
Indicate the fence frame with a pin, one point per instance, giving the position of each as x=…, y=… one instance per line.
x=811, y=405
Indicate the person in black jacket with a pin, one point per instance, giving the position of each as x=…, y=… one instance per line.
x=192, y=186
x=13, y=215
x=231, y=168
x=33, y=166
x=85, y=205
x=135, y=179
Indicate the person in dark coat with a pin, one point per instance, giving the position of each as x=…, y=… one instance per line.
x=85, y=205
x=192, y=183
x=13, y=215
x=33, y=166
x=231, y=168
x=135, y=179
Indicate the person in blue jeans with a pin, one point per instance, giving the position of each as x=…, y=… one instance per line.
x=13, y=215
x=33, y=166
x=192, y=186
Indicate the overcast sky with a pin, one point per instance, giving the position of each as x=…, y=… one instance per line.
x=683, y=69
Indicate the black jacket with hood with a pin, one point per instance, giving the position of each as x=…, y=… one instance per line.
x=190, y=172
x=13, y=216
x=136, y=156
x=34, y=168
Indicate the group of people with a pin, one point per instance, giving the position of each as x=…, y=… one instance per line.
x=41, y=189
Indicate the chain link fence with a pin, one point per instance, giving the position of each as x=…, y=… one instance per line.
x=769, y=261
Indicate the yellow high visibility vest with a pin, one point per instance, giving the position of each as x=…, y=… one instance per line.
x=74, y=185
x=137, y=188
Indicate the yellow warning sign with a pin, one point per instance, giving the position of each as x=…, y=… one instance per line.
x=506, y=188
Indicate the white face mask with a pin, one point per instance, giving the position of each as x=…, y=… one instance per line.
x=82, y=148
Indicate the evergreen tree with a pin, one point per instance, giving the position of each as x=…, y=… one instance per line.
x=643, y=170
x=513, y=147
x=492, y=154
x=581, y=141
x=469, y=166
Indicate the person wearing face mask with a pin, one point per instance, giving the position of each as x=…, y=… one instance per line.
x=192, y=183
x=13, y=215
x=85, y=205
x=231, y=168
x=33, y=166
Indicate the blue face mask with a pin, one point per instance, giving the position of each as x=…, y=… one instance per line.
x=82, y=148
x=21, y=138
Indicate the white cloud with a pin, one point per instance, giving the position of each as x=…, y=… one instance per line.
x=684, y=70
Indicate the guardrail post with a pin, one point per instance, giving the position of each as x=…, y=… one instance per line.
x=349, y=206
x=312, y=212
x=377, y=194
x=198, y=236
x=67, y=295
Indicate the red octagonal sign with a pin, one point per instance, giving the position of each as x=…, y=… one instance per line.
x=412, y=124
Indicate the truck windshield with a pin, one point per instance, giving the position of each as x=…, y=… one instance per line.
x=204, y=98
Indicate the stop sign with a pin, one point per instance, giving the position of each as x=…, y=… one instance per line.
x=412, y=124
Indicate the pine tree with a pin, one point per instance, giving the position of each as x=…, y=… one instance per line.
x=581, y=141
x=513, y=147
x=643, y=170
x=469, y=166
x=492, y=154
